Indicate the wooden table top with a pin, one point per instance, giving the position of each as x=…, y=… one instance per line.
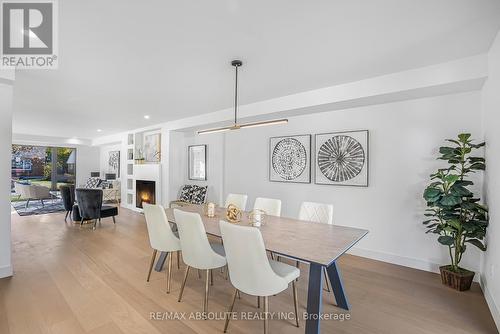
x=309, y=241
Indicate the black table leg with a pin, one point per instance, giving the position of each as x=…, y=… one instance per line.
x=161, y=261
x=314, y=296
x=337, y=286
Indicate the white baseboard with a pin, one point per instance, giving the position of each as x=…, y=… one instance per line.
x=494, y=309
x=401, y=260
x=6, y=271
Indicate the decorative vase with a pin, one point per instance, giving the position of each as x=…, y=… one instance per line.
x=459, y=281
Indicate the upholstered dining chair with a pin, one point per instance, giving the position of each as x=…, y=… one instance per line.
x=239, y=200
x=318, y=213
x=161, y=237
x=270, y=206
x=68, y=198
x=255, y=275
x=197, y=251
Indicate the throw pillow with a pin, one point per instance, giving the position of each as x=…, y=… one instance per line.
x=186, y=193
x=199, y=195
x=92, y=182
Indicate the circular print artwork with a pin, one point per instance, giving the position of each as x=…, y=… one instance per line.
x=289, y=158
x=341, y=158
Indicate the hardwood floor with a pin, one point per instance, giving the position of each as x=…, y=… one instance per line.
x=70, y=279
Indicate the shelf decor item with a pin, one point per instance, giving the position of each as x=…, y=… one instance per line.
x=342, y=158
x=197, y=162
x=453, y=211
x=290, y=159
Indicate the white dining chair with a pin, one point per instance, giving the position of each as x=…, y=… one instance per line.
x=240, y=200
x=161, y=237
x=270, y=206
x=250, y=270
x=318, y=213
x=197, y=251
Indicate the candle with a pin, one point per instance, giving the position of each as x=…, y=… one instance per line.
x=210, y=210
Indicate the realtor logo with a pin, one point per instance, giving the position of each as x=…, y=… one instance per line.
x=29, y=34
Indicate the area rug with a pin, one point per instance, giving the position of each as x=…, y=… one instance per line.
x=36, y=208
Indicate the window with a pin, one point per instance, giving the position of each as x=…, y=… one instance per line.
x=47, y=166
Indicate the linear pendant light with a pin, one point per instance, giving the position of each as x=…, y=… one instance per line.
x=236, y=126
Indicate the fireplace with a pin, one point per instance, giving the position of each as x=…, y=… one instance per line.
x=144, y=192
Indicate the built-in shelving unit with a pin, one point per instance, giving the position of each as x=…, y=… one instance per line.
x=130, y=170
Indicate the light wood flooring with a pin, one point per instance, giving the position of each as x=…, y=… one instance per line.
x=70, y=279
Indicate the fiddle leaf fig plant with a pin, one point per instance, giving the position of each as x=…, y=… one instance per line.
x=453, y=211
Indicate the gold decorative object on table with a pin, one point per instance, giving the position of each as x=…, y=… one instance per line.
x=209, y=209
x=257, y=217
x=233, y=213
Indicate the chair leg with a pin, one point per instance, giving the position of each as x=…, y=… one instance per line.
x=205, y=303
x=169, y=271
x=153, y=258
x=239, y=295
x=178, y=259
x=27, y=203
x=199, y=273
x=258, y=302
x=43, y=204
x=95, y=223
x=114, y=220
x=266, y=314
x=66, y=217
x=295, y=303
x=183, y=283
x=211, y=277
x=81, y=222
x=226, y=324
x=327, y=281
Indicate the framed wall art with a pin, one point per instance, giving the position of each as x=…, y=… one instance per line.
x=114, y=163
x=342, y=158
x=197, y=162
x=290, y=159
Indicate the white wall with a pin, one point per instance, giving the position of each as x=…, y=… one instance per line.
x=179, y=142
x=5, y=170
x=491, y=110
x=87, y=160
x=404, y=138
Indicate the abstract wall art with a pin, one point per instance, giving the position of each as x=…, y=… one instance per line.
x=342, y=158
x=290, y=159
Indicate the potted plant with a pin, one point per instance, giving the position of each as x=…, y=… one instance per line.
x=454, y=212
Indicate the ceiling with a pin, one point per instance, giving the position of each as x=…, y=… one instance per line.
x=121, y=60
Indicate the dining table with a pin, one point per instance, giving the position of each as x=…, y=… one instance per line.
x=318, y=244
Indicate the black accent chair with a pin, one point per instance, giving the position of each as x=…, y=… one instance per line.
x=89, y=207
x=68, y=198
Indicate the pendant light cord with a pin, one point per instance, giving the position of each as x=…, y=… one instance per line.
x=236, y=95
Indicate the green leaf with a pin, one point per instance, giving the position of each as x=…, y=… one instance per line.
x=453, y=141
x=464, y=137
x=477, y=166
x=446, y=240
x=432, y=194
x=455, y=223
x=450, y=200
x=477, y=243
